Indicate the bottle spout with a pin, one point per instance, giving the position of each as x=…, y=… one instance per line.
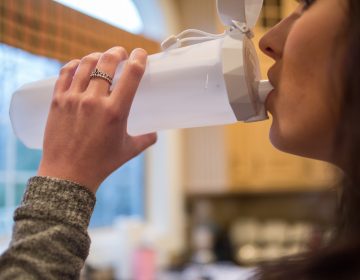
x=263, y=88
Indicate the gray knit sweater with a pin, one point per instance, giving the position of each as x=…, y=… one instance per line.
x=50, y=239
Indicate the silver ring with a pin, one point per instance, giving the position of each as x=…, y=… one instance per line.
x=101, y=75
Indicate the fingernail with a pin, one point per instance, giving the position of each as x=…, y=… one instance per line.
x=138, y=55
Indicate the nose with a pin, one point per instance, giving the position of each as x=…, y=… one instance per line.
x=272, y=43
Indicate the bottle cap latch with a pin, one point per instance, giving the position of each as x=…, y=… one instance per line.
x=237, y=15
x=242, y=11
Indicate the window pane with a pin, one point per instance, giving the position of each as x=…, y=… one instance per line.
x=2, y=195
x=3, y=216
x=122, y=194
x=19, y=191
x=2, y=147
x=17, y=163
x=26, y=159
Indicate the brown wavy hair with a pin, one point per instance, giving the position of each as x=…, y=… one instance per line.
x=340, y=259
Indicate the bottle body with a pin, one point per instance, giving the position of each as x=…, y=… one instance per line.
x=29, y=109
x=180, y=88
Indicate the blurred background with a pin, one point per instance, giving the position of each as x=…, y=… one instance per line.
x=202, y=202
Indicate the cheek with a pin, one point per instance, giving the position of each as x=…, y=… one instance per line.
x=302, y=115
x=304, y=66
x=302, y=128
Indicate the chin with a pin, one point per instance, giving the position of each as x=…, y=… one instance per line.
x=279, y=142
x=290, y=144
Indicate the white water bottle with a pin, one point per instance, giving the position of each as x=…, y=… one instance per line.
x=200, y=79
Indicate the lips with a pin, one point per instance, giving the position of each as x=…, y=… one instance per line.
x=270, y=75
x=269, y=94
x=273, y=81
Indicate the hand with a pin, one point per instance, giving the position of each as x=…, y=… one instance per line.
x=86, y=135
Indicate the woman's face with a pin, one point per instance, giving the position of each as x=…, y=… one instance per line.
x=308, y=49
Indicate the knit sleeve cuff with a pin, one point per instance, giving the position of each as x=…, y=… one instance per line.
x=56, y=200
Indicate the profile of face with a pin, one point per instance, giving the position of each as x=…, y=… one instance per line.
x=308, y=48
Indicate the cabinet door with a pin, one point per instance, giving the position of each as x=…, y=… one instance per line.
x=255, y=165
x=205, y=161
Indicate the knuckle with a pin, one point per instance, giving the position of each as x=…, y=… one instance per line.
x=114, y=54
x=69, y=67
x=120, y=52
x=90, y=59
x=88, y=103
x=56, y=101
x=71, y=101
x=108, y=57
x=64, y=103
x=136, y=69
x=113, y=114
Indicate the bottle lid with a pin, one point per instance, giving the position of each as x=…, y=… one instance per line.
x=242, y=11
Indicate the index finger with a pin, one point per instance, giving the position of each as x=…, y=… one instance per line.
x=125, y=88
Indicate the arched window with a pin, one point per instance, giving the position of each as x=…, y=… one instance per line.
x=135, y=16
x=119, y=13
x=31, y=30
x=123, y=191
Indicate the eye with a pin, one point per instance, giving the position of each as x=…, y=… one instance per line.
x=306, y=3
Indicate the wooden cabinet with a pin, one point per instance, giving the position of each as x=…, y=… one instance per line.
x=253, y=164
x=240, y=158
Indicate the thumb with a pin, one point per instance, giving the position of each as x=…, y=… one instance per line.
x=142, y=142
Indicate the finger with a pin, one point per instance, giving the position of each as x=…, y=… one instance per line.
x=66, y=74
x=82, y=75
x=107, y=64
x=125, y=89
x=142, y=142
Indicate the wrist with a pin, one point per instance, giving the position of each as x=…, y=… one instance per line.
x=80, y=178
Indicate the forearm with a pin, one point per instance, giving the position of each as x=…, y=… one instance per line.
x=50, y=239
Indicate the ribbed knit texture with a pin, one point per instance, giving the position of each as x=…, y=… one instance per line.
x=50, y=239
